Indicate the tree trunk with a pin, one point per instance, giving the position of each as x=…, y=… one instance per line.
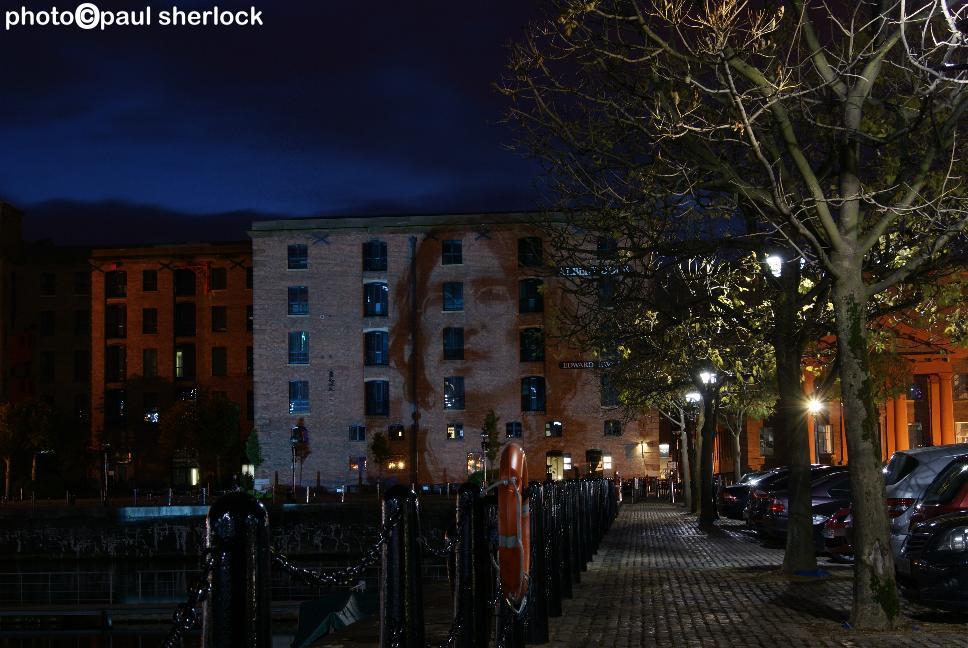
x=686, y=468
x=876, y=605
x=738, y=453
x=800, y=551
x=695, y=448
x=707, y=493
x=6, y=478
x=33, y=469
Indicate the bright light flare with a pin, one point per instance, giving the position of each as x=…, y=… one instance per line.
x=814, y=406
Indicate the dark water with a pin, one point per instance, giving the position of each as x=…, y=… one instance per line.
x=127, y=638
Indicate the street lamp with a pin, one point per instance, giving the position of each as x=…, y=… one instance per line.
x=707, y=377
x=814, y=405
x=775, y=264
x=693, y=397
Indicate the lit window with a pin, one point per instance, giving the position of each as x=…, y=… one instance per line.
x=396, y=462
x=357, y=433
x=514, y=429
x=455, y=431
x=451, y=252
x=377, y=397
x=298, y=257
x=613, y=428
x=298, y=397
x=566, y=459
x=960, y=386
x=475, y=462
x=961, y=432
x=454, y=393
x=453, y=343
x=606, y=462
x=375, y=299
x=375, y=256
x=298, y=347
x=553, y=428
x=298, y=300
x=531, y=298
x=396, y=432
x=357, y=464
x=453, y=296
x=533, y=394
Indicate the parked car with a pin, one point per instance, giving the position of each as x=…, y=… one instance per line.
x=838, y=535
x=938, y=554
x=906, y=477
x=732, y=499
x=829, y=492
x=948, y=493
x=761, y=494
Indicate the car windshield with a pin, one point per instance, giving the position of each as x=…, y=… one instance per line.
x=948, y=483
x=899, y=467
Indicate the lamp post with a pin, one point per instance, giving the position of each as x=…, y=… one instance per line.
x=298, y=442
x=707, y=383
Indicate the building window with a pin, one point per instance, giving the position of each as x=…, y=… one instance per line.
x=454, y=393
x=455, y=431
x=514, y=429
x=185, y=361
x=375, y=348
x=961, y=432
x=918, y=389
x=529, y=252
x=149, y=281
x=396, y=432
x=475, y=462
x=149, y=404
x=453, y=343
x=185, y=319
x=533, y=394
x=451, y=252
x=218, y=279
x=606, y=292
x=220, y=361
x=825, y=439
x=396, y=462
x=553, y=428
x=377, y=397
x=248, y=277
x=82, y=283
x=607, y=247
x=184, y=282
x=82, y=365
x=375, y=299
x=114, y=413
x=766, y=441
x=249, y=361
x=298, y=256
x=47, y=323
x=250, y=405
x=48, y=284
x=149, y=363
x=531, y=298
x=82, y=407
x=357, y=433
x=453, y=296
x=532, y=345
x=613, y=428
x=298, y=347
x=298, y=300
x=115, y=363
x=298, y=397
x=220, y=319
x=959, y=386
x=375, y=256
x=82, y=322
x=606, y=462
x=115, y=284
x=149, y=321
x=248, y=318
x=609, y=393
x=48, y=364
x=115, y=321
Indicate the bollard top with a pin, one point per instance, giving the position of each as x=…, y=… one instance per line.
x=238, y=505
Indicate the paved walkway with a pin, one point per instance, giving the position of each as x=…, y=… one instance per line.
x=658, y=581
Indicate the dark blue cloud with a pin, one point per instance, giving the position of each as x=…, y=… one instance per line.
x=330, y=108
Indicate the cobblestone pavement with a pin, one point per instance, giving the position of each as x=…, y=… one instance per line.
x=659, y=581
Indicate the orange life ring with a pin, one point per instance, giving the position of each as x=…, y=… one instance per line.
x=514, y=523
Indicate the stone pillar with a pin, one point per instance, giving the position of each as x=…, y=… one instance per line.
x=934, y=389
x=902, y=441
x=946, y=388
x=889, y=428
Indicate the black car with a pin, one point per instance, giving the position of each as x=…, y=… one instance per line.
x=778, y=480
x=938, y=550
x=829, y=493
x=732, y=499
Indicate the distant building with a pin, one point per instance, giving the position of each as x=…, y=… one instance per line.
x=167, y=320
x=343, y=306
x=10, y=242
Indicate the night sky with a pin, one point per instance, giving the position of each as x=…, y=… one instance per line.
x=332, y=108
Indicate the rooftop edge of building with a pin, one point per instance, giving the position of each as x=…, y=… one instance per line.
x=402, y=222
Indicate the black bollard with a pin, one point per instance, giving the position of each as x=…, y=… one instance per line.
x=238, y=613
x=552, y=547
x=537, y=617
x=401, y=597
x=472, y=591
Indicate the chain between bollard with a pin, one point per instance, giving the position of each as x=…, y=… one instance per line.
x=449, y=547
x=186, y=614
x=346, y=576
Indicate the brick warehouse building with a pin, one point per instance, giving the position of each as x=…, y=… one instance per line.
x=335, y=325
x=166, y=320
